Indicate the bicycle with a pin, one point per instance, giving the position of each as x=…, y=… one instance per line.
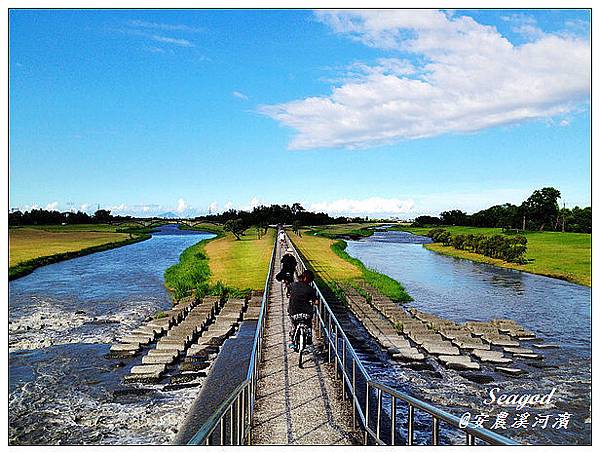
x=302, y=334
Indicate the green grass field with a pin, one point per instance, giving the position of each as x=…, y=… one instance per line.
x=222, y=264
x=565, y=256
x=356, y=230
x=242, y=264
x=34, y=246
x=329, y=260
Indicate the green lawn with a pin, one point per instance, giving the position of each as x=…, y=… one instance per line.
x=329, y=260
x=561, y=255
x=243, y=263
x=34, y=246
x=344, y=230
x=222, y=264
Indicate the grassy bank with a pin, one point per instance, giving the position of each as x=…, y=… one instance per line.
x=222, y=264
x=204, y=227
x=328, y=258
x=243, y=263
x=31, y=247
x=566, y=256
x=336, y=231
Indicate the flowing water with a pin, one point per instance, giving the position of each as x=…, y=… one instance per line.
x=62, y=319
x=460, y=290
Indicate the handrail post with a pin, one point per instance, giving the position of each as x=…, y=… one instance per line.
x=393, y=429
x=367, y=416
x=411, y=415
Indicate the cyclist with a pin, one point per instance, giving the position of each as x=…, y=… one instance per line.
x=288, y=268
x=282, y=238
x=302, y=298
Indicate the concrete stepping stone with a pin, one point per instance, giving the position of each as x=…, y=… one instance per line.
x=159, y=359
x=148, y=330
x=510, y=370
x=458, y=362
x=124, y=350
x=500, y=341
x=165, y=351
x=440, y=349
x=136, y=339
x=491, y=356
x=406, y=354
x=543, y=346
x=148, y=369
x=470, y=344
x=527, y=355
x=517, y=350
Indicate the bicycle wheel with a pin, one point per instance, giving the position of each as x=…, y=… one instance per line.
x=301, y=344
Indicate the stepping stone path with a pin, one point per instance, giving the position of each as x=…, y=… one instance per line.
x=381, y=328
x=191, y=333
x=454, y=345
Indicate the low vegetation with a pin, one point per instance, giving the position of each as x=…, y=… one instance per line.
x=504, y=247
x=566, y=256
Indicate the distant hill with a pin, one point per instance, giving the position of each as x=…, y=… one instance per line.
x=168, y=215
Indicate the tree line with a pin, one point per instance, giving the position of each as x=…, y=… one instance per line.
x=236, y=220
x=40, y=216
x=509, y=248
x=540, y=211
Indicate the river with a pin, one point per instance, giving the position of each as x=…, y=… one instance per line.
x=461, y=290
x=62, y=319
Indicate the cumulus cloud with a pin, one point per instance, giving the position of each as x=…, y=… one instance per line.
x=84, y=207
x=228, y=206
x=52, y=206
x=462, y=77
x=373, y=205
x=240, y=95
x=181, y=206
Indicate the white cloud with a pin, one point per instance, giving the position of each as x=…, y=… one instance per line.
x=254, y=202
x=373, y=205
x=168, y=40
x=181, y=206
x=165, y=27
x=213, y=207
x=465, y=77
x=228, y=206
x=52, y=206
x=240, y=95
x=84, y=206
x=118, y=209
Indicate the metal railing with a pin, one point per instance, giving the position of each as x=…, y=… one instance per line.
x=367, y=395
x=231, y=421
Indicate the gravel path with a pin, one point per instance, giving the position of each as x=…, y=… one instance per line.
x=297, y=406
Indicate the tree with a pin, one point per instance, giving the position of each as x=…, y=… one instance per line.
x=426, y=220
x=235, y=226
x=296, y=227
x=541, y=208
x=454, y=217
x=297, y=209
x=102, y=216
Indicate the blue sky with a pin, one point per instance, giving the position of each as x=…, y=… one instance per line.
x=395, y=113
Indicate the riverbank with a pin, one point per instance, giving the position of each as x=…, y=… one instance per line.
x=328, y=259
x=352, y=231
x=222, y=264
x=566, y=256
x=34, y=246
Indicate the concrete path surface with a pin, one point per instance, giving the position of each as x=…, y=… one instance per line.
x=297, y=406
